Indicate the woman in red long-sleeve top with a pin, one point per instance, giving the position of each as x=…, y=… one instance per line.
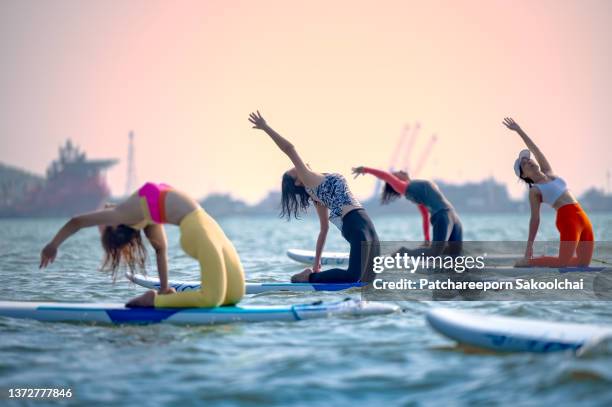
x=426, y=194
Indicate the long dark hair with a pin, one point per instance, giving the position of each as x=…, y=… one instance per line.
x=123, y=245
x=388, y=194
x=294, y=199
x=527, y=180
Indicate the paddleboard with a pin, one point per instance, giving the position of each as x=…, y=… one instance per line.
x=251, y=288
x=111, y=313
x=327, y=258
x=496, y=262
x=527, y=270
x=508, y=334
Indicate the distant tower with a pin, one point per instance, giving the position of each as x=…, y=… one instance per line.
x=131, y=181
x=393, y=164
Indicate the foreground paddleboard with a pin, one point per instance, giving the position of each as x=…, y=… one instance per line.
x=251, y=288
x=327, y=258
x=509, y=334
x=119, y=314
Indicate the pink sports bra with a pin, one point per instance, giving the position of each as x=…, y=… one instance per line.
x=152, y=201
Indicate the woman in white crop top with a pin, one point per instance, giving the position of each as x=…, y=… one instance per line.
x=575, y=229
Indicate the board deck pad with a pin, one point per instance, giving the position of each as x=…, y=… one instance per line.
x=251, y=288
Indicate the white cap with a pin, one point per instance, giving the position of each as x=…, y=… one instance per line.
x=517, y=162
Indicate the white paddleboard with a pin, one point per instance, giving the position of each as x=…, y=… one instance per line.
x=342, y=258
x=251, y=288
x=533, y=270
x=511, y=334
x=110, y=313
x=327, y=258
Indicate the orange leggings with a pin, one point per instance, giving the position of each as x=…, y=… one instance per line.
x=577, y=242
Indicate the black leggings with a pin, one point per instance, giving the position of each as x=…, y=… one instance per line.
x=356, y=228
x=447, y=233
x=446, y=226
x=447, y=236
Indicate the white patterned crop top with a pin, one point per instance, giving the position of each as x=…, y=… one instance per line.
x=334, y=193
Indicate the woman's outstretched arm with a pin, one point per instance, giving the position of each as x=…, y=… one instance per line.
x=539, y=156
x=127, y=213
x=397, y=184
x=323, y=214
x=103, y=217
x=534, y=220
x=308, y=177
x=157, y=237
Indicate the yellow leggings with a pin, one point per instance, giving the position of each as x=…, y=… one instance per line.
x=221, y=272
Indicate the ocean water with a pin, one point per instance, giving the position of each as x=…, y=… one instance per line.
x=385, y=360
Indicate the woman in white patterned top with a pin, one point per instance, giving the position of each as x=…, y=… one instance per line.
x=334, y=202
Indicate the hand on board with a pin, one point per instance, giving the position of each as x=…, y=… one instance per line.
x=522, y=263
x=168, y=290
x=529, y=251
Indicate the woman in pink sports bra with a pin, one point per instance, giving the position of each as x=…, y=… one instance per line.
x=147, y=210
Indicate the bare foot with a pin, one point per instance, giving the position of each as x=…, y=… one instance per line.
x=145, y=300
x=302, y=276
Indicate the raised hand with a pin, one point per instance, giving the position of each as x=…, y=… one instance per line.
x=531, y=146
x=357, y=171
x=47, y=256
x=258, y=121
x=511, y=124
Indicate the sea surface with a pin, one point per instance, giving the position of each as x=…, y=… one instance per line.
x=378, y=361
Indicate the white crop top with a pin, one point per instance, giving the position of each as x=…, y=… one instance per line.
x=552, y=190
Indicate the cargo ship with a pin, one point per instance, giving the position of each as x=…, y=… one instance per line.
x=73, y=184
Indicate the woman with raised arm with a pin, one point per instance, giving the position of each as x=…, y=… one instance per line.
x=201, y=238
x=575, y=229
x=334, y=202
x=447, y=229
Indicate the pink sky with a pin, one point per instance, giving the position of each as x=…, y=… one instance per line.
x=339, y=79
